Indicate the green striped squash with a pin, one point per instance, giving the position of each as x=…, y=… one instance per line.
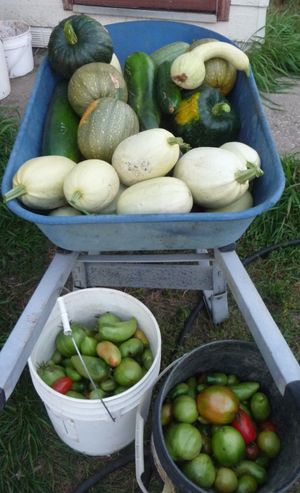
x=105, y=123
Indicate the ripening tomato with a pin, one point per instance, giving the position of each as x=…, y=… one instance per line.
x=62, y=385
x=217, y=404
x=267, y=426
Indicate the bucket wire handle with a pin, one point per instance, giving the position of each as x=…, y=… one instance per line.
x=139, y=432
x=68, y=332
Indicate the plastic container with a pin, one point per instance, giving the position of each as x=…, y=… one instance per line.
x=16, y=38
x=4, y=79
x=85, y=425
x=153, y=231
x=244, y=360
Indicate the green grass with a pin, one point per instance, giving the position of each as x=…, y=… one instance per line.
x=276, y=60
x=282, y=223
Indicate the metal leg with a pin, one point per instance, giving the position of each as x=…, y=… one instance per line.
x=280, y=360
x=216, y=299
x=19, y=344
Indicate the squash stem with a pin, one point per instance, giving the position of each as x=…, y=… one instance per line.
x=74, y=202
x=70, y=34
x=179, y=141
x=249, y=174
x=220, y=108
x=14, y=193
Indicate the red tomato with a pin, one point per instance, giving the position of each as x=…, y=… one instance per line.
x=252, y=451
x=267, y=426
x=62, y=385
x=245, y=425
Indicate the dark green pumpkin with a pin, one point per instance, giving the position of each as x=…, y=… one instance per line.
x=206, y=118
x=78, y=40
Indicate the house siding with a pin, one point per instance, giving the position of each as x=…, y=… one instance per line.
x=246, y=16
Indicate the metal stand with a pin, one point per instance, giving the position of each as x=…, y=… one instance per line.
x=206, y=271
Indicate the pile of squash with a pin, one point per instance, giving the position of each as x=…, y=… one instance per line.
x=158, y=137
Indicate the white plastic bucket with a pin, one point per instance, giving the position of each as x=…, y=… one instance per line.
x=4, y=79
x=84, y=424
x=16, y=39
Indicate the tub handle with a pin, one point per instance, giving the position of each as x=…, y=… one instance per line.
x=139, y=431
x=139, y=451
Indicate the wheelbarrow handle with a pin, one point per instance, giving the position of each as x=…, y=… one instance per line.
x=273, y=347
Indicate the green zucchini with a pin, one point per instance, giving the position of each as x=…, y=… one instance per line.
x=61, y=124
x=169, y=52
x=140, y=76
x=168, y=93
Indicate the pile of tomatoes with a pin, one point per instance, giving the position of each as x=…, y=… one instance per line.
x=220, y=433
x=116, y=354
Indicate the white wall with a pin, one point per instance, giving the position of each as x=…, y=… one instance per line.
x=246, y=17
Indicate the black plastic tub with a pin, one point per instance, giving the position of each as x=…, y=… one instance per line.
x=244, y=360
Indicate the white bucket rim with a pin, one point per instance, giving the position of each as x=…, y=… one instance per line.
x=13, y=21
x=126, y=393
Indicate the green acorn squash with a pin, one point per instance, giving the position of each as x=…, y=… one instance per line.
x=94, y=81
x=78, y=40
x=105, y=123
x=206, y=118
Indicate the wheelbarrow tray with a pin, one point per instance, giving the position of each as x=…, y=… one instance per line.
x=150, y=231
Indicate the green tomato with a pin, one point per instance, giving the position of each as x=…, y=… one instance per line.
x=226, y=480
x=201, y=471
x=64, y=343
x=97, y=368
x=128, y=372
x=108, y=385
x=147, y=358
x=166, y=414
x=232, y=379
x=260, y=406
x=247, y=484
x=183, y=441
x=97, y=394
x=108, y=318
x=228, y=446
x=50, y=373
x=73, y=374
x=88, y=346
x=185, y=409
x=179, y=389
x=78, y=386
x=253, y=469
x=269, y=443
x=132, y=347
x=120, y=389
x=74, y=393
x=56, y=357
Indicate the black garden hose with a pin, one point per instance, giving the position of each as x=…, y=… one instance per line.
x=113, y=466
x=262, y=253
